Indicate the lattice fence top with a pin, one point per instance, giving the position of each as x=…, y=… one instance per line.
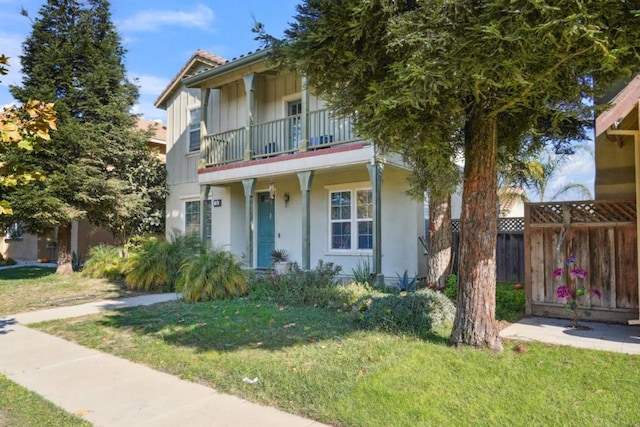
x=583, y=212
x=505, y=225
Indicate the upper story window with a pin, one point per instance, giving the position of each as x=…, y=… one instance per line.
x=194, y=129
x=351, y=220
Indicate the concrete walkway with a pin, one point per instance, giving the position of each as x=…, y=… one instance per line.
x=110, y=391
x=601, y=336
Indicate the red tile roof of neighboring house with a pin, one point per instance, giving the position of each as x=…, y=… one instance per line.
x=623, y=103
x=159, y=130
x=200, y=56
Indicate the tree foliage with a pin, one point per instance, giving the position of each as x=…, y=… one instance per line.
x=25, y=127
x=498, y=73
x=74, y=57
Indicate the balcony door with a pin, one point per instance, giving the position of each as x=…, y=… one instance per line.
x=294, y=111
x=266, y=229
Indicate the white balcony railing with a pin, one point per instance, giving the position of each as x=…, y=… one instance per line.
x=277, y=137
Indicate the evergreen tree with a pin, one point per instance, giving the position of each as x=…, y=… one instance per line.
x=74, y=58
x=497, y=70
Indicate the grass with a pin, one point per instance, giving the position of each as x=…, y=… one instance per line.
x=36, y=287
x=316, y=363
x=20, y=407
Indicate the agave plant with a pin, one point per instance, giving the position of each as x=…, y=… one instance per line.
x=215, y=274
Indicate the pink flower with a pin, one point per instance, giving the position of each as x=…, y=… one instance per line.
x=557, y=273
x=596, y=292
x=563, y=292
x=578, y=272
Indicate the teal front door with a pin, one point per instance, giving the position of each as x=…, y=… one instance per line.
x=266, y=229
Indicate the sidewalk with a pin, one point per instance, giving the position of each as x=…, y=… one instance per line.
x=110, y=391
x=601, y=336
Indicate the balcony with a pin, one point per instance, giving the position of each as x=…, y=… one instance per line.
x=277, y=138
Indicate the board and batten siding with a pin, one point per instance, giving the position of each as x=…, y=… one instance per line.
x=181, y=166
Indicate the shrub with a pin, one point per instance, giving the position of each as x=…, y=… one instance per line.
x=105, y=262
x=414, y=313
x=452, y=287
x=315, y=287
x=213, y=275
x=362, y=271
x=8, y=261
x=153, y=264
x=146, y=266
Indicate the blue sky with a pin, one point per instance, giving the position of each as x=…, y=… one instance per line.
x=161, y=35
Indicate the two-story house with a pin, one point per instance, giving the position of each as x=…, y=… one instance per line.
x=256, y=162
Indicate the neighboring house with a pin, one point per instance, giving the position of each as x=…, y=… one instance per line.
x=256, y=162
x=158, y=139
x=511, y=201
x=29, y=247
x=602, y=233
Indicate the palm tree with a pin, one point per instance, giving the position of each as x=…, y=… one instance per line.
x=541, y=170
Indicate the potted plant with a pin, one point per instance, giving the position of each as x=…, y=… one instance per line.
x=279, y=258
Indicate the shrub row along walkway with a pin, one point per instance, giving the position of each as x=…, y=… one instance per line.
x=110, y=391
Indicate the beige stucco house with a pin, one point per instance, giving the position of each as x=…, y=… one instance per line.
x=84, y=235
x=269, y=167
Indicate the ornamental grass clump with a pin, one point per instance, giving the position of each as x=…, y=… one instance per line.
x=572, y=292
x=213, y=275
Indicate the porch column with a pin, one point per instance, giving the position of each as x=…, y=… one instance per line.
x=205, y=150
x=249, y=88
x=304, y=125
x=204, y=196
x=305, y=179
x=249, y=188
x=375, y=175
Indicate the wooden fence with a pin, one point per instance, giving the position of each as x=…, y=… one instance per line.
x=602, y=237
x=509, y=250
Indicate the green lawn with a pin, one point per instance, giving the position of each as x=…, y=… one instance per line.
x=316, y=363
x=21, y=408
x=36, y=288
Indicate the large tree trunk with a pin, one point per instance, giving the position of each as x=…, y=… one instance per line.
x=439, y=257
x=65, y=267
x=475, y=322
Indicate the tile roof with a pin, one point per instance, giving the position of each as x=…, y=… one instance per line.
x=159, y=130
x=202, y=56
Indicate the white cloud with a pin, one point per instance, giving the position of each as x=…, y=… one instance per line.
x=149, y=85
x=151, y=20
x=146, y=109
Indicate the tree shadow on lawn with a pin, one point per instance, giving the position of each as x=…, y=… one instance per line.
x=26, y=272
x=238, y=324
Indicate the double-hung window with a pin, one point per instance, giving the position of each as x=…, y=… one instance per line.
x=351, y=219
x=194, y=129
x=192, y=218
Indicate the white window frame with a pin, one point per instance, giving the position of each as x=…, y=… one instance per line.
x=196, y=228
x=191, y=130
x=353, y=188
x=197, y=225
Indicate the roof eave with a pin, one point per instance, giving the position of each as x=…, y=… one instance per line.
x=229, y=67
